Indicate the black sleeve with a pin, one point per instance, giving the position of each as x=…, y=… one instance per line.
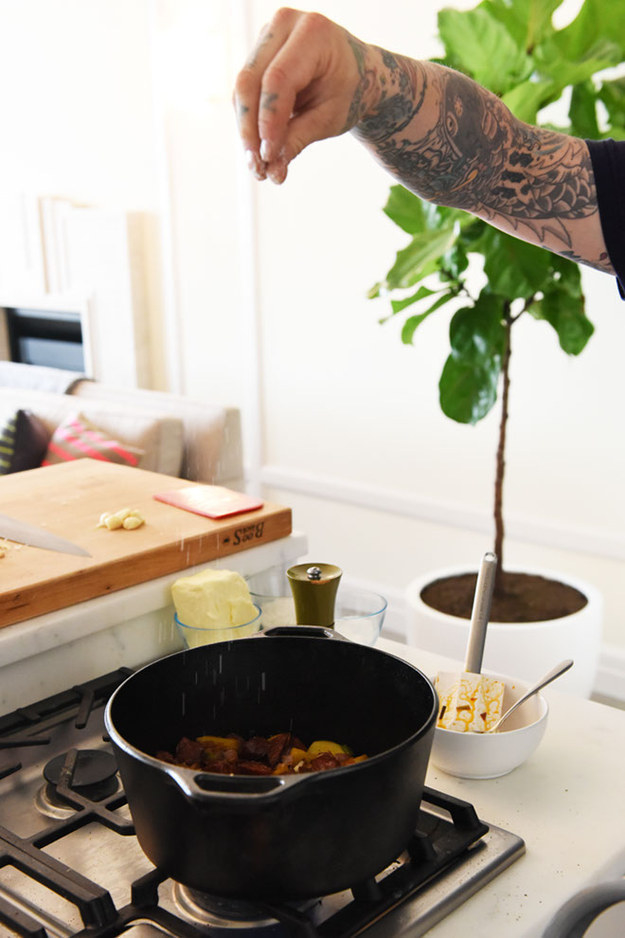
x=608, y=163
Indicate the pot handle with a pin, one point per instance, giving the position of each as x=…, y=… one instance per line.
x=309, y=631
x=233, y=789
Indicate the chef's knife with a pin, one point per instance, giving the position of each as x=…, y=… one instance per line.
x=34, y=536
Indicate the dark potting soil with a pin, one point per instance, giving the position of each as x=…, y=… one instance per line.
x=525, y=597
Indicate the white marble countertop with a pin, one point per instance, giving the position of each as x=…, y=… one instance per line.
x=566, y=802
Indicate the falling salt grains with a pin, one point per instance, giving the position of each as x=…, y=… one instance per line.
x=262, y=681
x=184, y=704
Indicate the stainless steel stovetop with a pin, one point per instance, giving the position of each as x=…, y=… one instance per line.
x=70, y=864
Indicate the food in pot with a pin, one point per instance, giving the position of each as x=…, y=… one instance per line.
x=469, y=703
x=218, y=600
x=282, y=754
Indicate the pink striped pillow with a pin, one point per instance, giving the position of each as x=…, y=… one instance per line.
x=76, y=438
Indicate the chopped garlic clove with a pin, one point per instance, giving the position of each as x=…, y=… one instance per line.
x=113, y=522
x=127, y=518
x=133, y=521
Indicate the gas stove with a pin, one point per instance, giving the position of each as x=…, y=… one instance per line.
x=70, y=864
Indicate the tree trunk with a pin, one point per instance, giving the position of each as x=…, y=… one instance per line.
x=501, y=461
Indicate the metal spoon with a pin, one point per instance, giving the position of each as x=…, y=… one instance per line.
x=547, y=679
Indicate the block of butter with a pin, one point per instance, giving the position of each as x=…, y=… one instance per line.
x=213, y=600
x=468, y=702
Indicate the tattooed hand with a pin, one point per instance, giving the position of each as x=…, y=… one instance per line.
x=437, y=131
x=302, y=83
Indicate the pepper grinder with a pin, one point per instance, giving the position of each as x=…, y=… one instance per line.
x=314, y=588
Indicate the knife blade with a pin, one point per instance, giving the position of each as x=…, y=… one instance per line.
x=34, y=536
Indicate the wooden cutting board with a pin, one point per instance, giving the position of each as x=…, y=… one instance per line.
x=67, y=499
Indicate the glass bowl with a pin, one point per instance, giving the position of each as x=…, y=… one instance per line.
x=192, y=637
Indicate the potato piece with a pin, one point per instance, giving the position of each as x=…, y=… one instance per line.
x=220, y=742
x=323, y=745
x=298, y=755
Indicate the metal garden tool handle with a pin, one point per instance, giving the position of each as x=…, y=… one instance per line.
x=480, y=613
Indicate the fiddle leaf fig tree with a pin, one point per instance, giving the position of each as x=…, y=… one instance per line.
x=512, y=48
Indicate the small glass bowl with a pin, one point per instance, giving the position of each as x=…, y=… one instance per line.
x=192, y=637
x=360, y=615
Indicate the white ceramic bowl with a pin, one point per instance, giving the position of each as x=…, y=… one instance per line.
x=490, y=755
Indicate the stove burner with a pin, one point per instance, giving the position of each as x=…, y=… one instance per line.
x=220, y=912
x=94, y=769
x=94, y=777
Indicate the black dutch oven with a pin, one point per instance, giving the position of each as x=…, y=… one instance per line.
x=275, y=837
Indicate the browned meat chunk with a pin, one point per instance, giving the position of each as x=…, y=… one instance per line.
x=189, y=752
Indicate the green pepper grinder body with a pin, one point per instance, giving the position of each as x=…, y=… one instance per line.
x=314, y=588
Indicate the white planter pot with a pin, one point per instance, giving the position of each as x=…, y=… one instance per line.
x=523, y=650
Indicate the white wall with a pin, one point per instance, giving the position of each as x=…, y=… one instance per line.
x=259, y=298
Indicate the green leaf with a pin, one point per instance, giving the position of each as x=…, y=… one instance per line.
x=566, y=69
x=468, y=383
x=477, y=333
x=466, y=393
x=583, y=111
x=562, y=306
x=476, y=43
x=584, y=36
x=612, y=94
x=454, y=263
x=407, y=210
x=414, y=215
x=528, y=98
x=413, y=262
x=529, y=21
x=515, y=269
x=399, y=305
x=413, y=322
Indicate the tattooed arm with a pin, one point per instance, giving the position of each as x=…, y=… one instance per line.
x=435, y=130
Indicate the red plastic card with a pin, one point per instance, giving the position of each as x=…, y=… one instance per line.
x=212, y=501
